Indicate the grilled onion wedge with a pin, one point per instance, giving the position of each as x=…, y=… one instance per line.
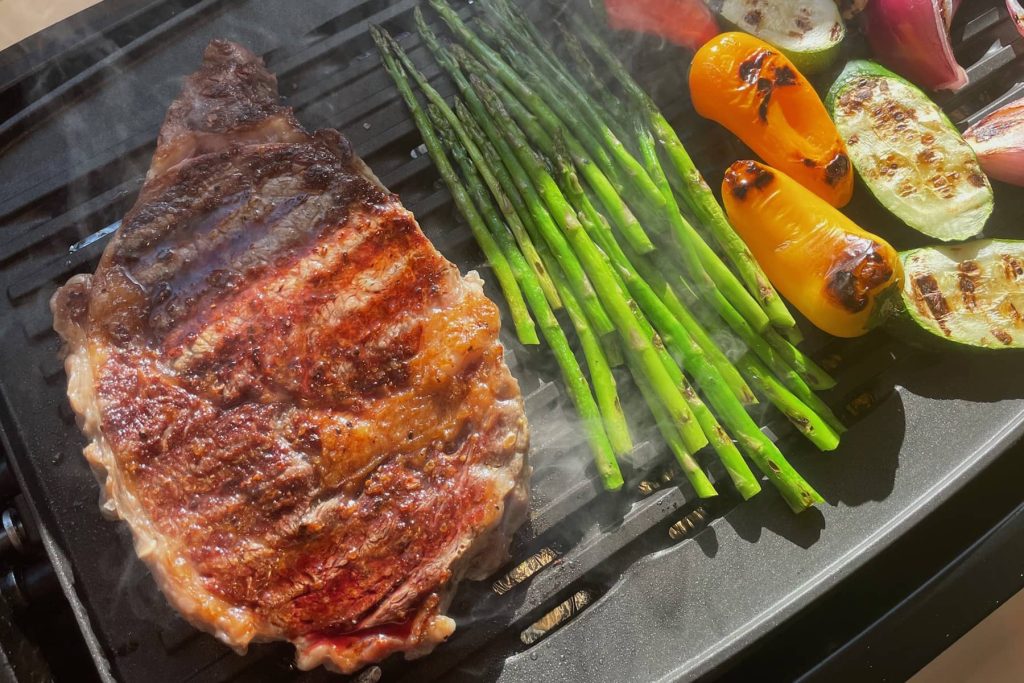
x=908, y=153
x=967, y=296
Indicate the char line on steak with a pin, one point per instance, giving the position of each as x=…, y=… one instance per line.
x=298, y=406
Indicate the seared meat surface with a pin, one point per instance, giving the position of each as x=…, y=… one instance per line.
x=297, y=404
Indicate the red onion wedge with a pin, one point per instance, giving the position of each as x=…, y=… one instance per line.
x=1016, y=10
x=998, y=140
x=955, y=5
x=912, y=38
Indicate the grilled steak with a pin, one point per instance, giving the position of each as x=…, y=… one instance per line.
x=299, y=407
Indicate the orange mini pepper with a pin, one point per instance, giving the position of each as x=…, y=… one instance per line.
x=834, y=272
x=752, y=89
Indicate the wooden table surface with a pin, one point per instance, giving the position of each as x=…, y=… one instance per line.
x=21, y=18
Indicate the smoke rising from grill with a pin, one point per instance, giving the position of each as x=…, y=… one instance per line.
x=130, y=100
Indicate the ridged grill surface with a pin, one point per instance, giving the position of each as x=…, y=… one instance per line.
x=77, y=134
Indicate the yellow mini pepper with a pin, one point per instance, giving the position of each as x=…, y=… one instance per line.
x=834, y=272
x=752, y=89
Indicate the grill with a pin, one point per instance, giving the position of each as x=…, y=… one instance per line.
x=644, y=584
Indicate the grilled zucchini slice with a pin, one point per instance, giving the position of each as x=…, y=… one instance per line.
x=809, y=32
x=968, y=295
x=908, y=153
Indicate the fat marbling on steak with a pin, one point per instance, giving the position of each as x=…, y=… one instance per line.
x=299, y=407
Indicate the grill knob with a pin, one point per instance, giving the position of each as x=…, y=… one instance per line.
x=12, y=536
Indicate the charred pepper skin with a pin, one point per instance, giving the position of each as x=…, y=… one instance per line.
x=752, y=89
x=835, y=273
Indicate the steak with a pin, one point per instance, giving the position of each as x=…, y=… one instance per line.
x=298, y=406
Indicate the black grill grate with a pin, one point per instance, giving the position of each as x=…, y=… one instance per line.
x=52, y=208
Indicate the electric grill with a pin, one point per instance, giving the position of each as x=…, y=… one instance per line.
x=647, y=584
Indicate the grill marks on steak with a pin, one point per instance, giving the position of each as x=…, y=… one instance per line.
x=300, y=407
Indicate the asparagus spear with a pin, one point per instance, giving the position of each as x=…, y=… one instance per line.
x=524, y=325
x=614, y=107
x=617, y=209
x=691, y=468
x=795, y=381
x=702, y=263
x=567, y=261
x=657, y=282
x=604, y=451
x=790, y=379
x=808, y=422
x=616, y=301
x=696, y=192
x=672, y=335
x=809, y=371
x=516, y=183
x=524, y=241
x=808, y=417
x=576, y=383
x=509, y=201
x=569, y=103
x=795, y=490
x=654, y=191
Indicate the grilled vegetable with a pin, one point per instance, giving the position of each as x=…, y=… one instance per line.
x=966, y=295
x=479, y=212
x=998, y=140
x=909, y=154
x=809, y=32
x=835, y=273
x=755, y=91
x=684, y=22
x=912, y=37
x=571, y=170
x=1016, y=10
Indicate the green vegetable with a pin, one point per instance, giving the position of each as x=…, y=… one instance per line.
x=515, y=210
x=809, y=32
x=503, y=272
x=524, y=136
x=967, y=296
x=570, y=265
x=908, y=153
x=663, y=325
x=619, y=211
x=474, y=204
x=694, y=190
x=616, y=301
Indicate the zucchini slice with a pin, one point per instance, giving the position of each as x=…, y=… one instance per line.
x=968, y=295
x=809, y=32
x=908, y=153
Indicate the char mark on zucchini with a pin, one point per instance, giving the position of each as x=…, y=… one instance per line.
x=928, y=291
x=967, y=281
x=1013, y=268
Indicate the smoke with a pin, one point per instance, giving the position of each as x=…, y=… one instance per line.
x=89, y=142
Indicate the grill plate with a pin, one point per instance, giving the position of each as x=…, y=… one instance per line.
x=75, y=151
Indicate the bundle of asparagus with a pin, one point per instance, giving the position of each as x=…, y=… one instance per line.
x=574, y=209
